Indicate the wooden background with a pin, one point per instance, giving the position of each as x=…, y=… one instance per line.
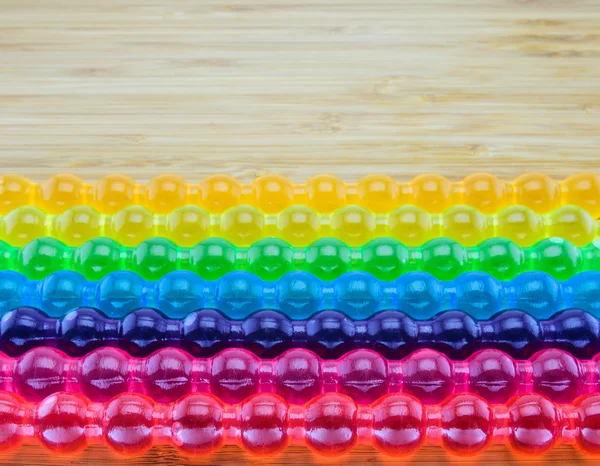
x=247, y=87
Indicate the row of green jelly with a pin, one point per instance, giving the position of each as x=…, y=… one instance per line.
x=327, y=258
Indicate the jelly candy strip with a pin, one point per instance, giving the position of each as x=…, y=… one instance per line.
x=300, y=294
x=323, y=193
x=326, y=258
x=330, y=424
x=329, y=333
x=299, y=225
x=298, y=375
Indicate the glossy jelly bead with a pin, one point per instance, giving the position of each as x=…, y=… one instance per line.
x=59, y=193
x=573, y=224
x=127, y=424
x=537, y=191
x=328, y=258
x=40, y=373
x=22, y=225
x=104, y=374
x=493, y=375
x=501, y=258
x=485, y=192
x=188, y=225
x=197, y=424
x=132, y=225
x=378, y=193
x=419, y=294
x=299, y=294
x=298, y=375
x=466, y=225
x=169, y=375
x=410, y=225
x=234, y=375
x=444, y=258
x=432, y=192
x=517, y=331
x=240, y=295
x=455, y=330
x=298, y=225
x=219, y=193
x=399, y=425
x=61, y=292
x=264, y=424
x=270, y=259
x=11, y=418
x=330, y=424
x=95, y=258
x=363, y=376
x=77, y=225
x=478, y=294
x=588, y=438
x=537, y=294
x=385, y=258
x=15, y=191
x=154, y=258
x=113, y=193
x=557, y=375
x=178, y=293
x=358, y=295
x=165, y=193
x=520, y=224
x=119, y=292
x=212, y=258
x=242, y=225
x=325, y=193
x=41, y=257
x=428, y=376
x=353, y=225
x=61, y=420
x=558, y=257
x=534, y=424
x=272, y=193
x=467, y=425
x=583, y=190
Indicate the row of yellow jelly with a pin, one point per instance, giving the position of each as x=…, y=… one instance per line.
x=323, y=193
x=299, y=225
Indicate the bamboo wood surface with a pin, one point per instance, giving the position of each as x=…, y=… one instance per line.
x=348, y=87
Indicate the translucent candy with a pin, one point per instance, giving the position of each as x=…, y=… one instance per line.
x=330, y=424
x=298, y=375
x=330, y=334
x=326, y=258
x=300, y=294
x=299, y=225
x=323, y=193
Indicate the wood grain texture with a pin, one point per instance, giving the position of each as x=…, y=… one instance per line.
x=347, y=87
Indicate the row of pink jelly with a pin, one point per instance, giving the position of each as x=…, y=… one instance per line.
x=330, y=424
x=298, y=375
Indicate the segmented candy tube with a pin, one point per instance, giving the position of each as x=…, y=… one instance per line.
x=326, y=258
x=298, y=375
x=324, y=193
x=329, y=333
x=300, y=294
x=299, y=225
x=330, y=424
